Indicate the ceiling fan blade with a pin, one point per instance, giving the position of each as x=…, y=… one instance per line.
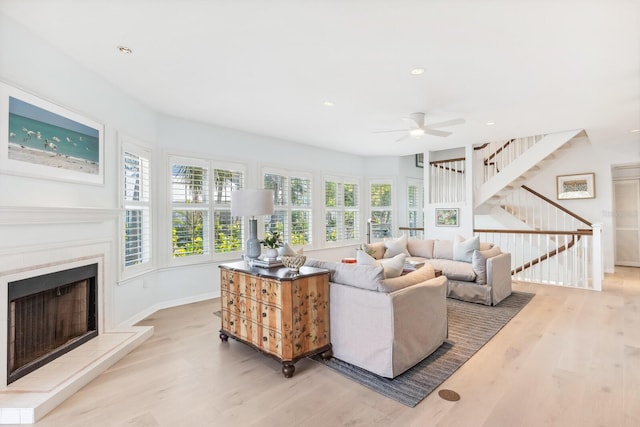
x=447, y=123
x=402, y=138
x=411, y=123
x=386, y=131
x=436, y=132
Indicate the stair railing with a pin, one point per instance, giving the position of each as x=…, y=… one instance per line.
x=499, y=154
x=447, y=181
x=554, y=246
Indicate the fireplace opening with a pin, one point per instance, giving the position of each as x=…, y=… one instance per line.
x=48, y=316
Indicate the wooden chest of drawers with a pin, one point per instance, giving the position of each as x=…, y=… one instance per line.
x=281, y=313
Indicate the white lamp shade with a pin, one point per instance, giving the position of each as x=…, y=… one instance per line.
x=251, y=202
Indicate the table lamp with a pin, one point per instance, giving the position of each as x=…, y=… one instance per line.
x=252, y=203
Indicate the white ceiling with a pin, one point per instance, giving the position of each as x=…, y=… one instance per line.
x=266, y=67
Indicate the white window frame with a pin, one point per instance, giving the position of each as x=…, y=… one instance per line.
x=340, y=210
x=391, y=208
x=288, y=208
x=204, y=207
x=144, y=203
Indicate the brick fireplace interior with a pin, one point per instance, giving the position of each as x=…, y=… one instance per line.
x=48, y=316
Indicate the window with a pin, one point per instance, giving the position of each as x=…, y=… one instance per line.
x=342, y=210
x=137, y=204
x=292, y=207
x=381, y=210
x=189, y=208
x=228, y=231
x=415, y=208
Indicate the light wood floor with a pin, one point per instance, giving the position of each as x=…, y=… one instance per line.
x=570, y=358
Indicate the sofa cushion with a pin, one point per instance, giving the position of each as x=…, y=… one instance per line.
x=479, y=263
x=418, y=276
x=327, y=265
x=395, y=246
x=454, y=270
x=463, y=249
x=376, y=250
x=359, y=276
x=443, y=249
x=422, y=248
x=392, y=266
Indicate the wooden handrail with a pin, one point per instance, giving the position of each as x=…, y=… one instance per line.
x=578, y=232
x=437, y=163
x=546, y=256
x=562, y=208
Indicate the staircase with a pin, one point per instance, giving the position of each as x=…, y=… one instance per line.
x=548, y=243
x=508, y=165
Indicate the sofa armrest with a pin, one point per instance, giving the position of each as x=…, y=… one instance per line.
x=499, y=276
x=377, y=330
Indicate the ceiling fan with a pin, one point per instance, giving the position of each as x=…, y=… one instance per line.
x=417, y=128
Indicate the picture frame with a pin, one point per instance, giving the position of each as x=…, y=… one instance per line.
x=576, y=186
x=420, y=160
x=41, y=139
x=447, y=217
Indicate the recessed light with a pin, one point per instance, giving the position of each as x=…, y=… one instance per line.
x=635, y=130
x=417, y=71
x=491, y=123
x=328, y=104
x=125, y=49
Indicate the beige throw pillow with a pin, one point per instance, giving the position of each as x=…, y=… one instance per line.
x=397, y=246
x=392, y=266
x=420, y=275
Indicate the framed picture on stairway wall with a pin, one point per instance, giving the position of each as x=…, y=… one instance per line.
x=578, y=186
x=447, y=217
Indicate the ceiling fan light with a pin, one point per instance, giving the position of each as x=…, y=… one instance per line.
x=416, y=132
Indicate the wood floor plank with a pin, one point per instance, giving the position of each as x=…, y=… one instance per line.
x=570, y=357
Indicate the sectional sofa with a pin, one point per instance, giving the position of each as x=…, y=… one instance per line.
x=476, y=272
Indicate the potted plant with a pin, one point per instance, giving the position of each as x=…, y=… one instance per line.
x=272, y=241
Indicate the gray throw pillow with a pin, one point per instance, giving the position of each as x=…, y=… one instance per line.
x=479, y=263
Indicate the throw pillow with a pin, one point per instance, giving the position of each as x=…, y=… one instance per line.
x=443, y=249
x=359, y=276
x=463, y=249
x=422, y=248
x=392, y=266
x=376, y=249
x=420, y=275
x=394, y=247
x=479, y=263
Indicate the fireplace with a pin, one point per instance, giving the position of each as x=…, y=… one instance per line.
x=48, y=316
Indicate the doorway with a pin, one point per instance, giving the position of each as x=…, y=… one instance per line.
x=626, y=203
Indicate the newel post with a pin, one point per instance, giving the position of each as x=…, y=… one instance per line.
x=597, y=266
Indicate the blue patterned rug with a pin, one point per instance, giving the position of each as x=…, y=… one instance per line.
x=470, y=327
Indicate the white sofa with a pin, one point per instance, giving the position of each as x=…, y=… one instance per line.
x=477, y=272
x=385, y=326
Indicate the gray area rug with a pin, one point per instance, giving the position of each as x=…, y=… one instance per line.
x=470, y=327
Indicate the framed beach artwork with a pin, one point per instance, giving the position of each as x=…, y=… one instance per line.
x=41, y=139
x=579, y=186
x=447, y=217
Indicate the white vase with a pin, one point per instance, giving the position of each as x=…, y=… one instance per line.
x=271, y=253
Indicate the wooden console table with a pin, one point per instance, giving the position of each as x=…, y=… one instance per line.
x=279, y=312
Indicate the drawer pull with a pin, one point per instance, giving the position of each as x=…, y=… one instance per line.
x=264, y=338
x=264, y=291
x=264, y=314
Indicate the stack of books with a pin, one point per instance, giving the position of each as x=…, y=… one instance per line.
x=412, y=265
x=265, y=262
